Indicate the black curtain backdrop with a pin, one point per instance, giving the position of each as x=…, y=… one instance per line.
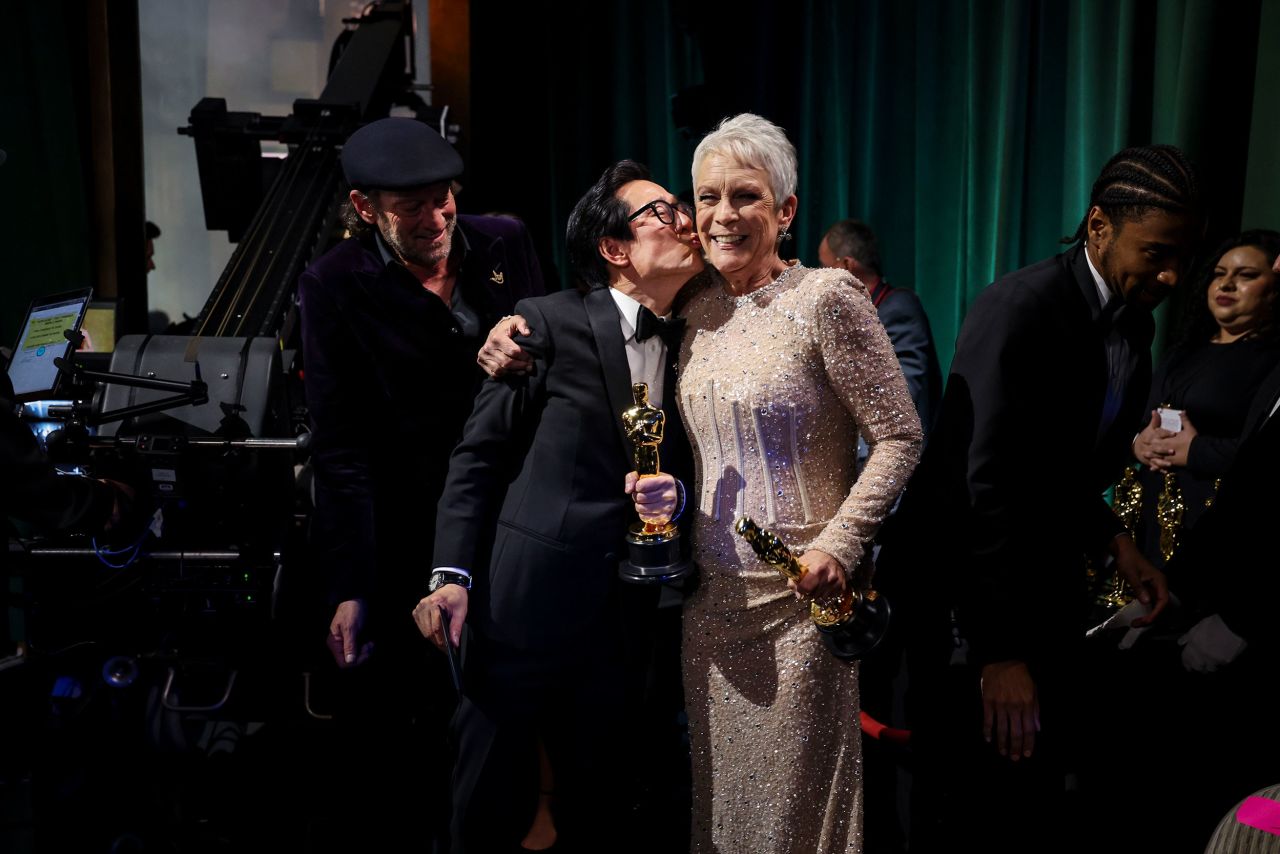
x=967, y=133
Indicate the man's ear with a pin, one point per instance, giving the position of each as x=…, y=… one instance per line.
x=364, y=207
x=615, y=251
x=1098, y=227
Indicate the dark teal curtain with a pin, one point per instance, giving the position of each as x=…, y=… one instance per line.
x=1262, y=185
x=44, y=184
x=967, y=133
x=548, y=114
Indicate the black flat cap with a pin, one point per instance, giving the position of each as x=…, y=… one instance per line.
x=396, y=154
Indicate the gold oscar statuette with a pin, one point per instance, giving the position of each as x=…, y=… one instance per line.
x=1127, y=503
x=852, y=625
x=653, y=547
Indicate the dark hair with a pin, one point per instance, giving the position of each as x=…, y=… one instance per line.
x=152, y=230
x=1139, y=179
x=851, y=238
x=597, y=215
x=1199, y=324
x=350, y=217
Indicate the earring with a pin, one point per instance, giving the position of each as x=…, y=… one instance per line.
x=783, y=235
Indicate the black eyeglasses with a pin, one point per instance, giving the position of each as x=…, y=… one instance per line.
x=664, y=211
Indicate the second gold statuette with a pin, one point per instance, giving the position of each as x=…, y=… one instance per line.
x=851, y=626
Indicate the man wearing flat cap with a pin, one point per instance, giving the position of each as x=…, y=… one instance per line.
x=392, y=318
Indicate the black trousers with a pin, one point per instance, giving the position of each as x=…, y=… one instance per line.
x=512, y=701
x=966, y=796
x=1172, y=751
x=597, y=703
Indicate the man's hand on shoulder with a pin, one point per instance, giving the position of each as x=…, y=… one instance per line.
x=501, y=355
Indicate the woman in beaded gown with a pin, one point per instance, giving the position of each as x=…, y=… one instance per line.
x=782, y=369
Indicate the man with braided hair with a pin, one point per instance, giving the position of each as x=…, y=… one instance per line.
x=1050, y=374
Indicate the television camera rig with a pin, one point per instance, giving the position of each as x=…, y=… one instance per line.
x=210, y=426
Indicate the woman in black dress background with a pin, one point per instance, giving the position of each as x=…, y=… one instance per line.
x=1229, y=344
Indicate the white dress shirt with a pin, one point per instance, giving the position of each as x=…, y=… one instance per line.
x=647, y=359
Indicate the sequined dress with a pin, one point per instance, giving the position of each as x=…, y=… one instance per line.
x=774, y=388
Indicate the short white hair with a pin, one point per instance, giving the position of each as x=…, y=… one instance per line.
x=754, y=142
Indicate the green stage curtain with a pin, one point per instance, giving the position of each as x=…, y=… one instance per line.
x=967, y=133
x=44, y=184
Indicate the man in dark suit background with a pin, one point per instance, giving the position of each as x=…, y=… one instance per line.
x=1196, y=674
x=1051, y=370
x=852, y=245
x=391, y=321
x=534, y=514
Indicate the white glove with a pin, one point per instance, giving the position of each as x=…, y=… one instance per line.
x=1209, y=644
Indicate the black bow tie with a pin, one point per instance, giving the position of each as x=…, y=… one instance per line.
x=649, y=324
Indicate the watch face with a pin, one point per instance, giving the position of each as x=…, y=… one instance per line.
x=440, y=580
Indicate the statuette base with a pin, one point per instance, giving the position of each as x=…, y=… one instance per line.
x=653, y=558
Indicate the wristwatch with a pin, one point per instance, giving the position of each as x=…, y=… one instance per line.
x=441, y=577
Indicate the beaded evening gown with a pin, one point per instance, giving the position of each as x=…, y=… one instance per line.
x=774, y=388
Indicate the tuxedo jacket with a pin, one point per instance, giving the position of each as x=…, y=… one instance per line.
x=390, y=378
x=1009, y=495
x=534, y=504
x=905, y=321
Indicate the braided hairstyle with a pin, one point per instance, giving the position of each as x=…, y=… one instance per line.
x=1139, y=179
